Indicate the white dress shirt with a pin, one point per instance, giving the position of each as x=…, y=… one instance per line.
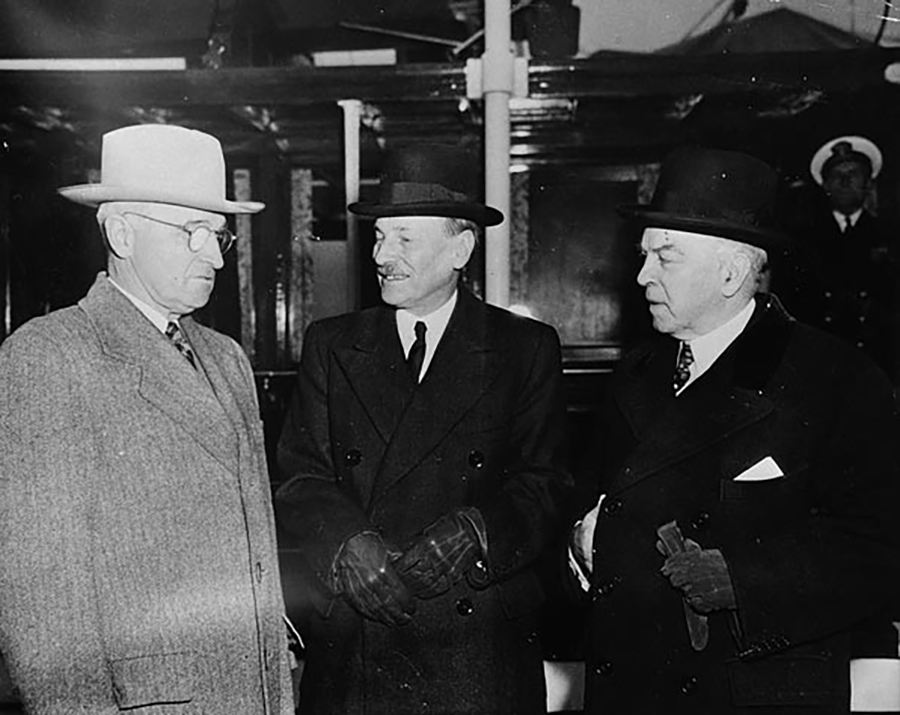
x=707, y=348
x=435, y=323
x=153, y=315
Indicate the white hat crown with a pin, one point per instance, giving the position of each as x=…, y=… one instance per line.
x=161, y=163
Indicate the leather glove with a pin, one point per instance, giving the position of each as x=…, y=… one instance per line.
x=363, y=573
x=444, y=553
x=702, y=575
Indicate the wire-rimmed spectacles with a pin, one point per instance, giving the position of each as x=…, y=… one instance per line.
x=198, y=232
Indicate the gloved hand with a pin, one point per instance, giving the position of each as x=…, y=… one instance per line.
x=445, y=551
x=702, y=575
x=363, y=573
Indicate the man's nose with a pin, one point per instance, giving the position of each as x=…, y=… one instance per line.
x=644, y=276
x=213, y=253
x=384, y=251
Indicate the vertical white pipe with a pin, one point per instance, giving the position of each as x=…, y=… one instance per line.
x=352, y=111
x=497, y=73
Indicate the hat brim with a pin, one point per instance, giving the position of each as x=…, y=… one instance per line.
x=771, y=240
x=96, y=194
x=479, y=213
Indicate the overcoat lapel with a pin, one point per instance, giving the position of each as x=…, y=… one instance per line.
x=465, y=365
x=158, y=372
x=376, y=371
x=725, y=399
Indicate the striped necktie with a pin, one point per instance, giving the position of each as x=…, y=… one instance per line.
x=683, y=368
x=177, y=338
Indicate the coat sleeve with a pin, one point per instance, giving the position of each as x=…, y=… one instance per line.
x=49, y=628
x=310, y=506
x=840, y=563
x=525, y=515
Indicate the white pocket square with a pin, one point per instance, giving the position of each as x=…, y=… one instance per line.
x=764, y=469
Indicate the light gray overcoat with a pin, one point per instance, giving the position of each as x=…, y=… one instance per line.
x=138, y=567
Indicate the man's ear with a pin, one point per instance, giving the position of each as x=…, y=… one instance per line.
x=465, y=244
x=736, y=269
x=119, y=235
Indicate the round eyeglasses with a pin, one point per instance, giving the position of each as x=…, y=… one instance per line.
x=199, y=232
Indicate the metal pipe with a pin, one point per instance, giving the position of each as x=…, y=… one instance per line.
x=497, y=77
x=352, y=111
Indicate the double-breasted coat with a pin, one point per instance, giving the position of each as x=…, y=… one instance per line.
x=810, y=553
x=138, y=569
x=370, y=449
x=847, y=283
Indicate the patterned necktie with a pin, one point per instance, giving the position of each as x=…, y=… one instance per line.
x=417, y=352
x=683, y=368
x=847, y=223
x=174, y=334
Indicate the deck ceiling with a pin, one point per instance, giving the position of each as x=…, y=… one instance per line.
x=601, y=110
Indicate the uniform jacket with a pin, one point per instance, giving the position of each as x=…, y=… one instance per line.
x=370, y=449
x=848, y=284
x=810, y=554
x=138, y=568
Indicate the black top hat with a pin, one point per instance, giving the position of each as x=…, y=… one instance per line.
x=429, y=180
x=717, y=193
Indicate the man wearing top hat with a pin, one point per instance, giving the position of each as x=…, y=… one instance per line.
x=138, y=569
x=423, y=446
x=746, y=476
x=849, y=285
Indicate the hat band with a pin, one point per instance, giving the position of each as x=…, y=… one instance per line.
x=694, y=207
x=404, y=192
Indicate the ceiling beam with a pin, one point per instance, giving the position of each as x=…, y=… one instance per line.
x=612, y=76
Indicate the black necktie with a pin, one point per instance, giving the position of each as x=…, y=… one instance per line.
x=417, y=352
x=683, y=368
x=174, y=334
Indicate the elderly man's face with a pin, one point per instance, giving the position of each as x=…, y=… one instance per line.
x=418, y=261
x=847, y=186
x=162, y=269
x=682, y=281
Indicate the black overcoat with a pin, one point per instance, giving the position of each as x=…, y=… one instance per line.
x=809, y=553
x=369, y=449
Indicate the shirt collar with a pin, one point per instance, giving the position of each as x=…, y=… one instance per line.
x=854, y=217
x=153, y=315
x=707, y=348
x=436, y=323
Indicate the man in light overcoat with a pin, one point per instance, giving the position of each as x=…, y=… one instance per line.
x=138, y=570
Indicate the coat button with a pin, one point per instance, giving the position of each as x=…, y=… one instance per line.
x=605, y=589
x=604, y=667
x=464, y=607
x=476, y=459
x=689, y=685
x=611, y=506
x=353, y=457
x=700, y=521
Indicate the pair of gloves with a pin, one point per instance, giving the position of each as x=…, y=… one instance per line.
x=702, y=577
x=381, y=583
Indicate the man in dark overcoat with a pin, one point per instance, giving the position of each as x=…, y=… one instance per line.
x=746, y=484
x=422, y=489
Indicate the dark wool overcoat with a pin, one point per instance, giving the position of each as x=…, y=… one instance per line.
x=138, y=569
x=367, y=448
x=810, y=553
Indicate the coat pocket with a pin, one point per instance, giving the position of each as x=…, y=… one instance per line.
x=782, y=680
x=164, y=678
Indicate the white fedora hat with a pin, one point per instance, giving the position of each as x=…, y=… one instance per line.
x=162, y=164
x=844, y=148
